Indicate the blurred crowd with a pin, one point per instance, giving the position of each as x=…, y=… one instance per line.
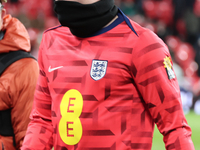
x=176, y=22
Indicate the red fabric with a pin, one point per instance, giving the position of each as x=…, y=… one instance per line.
x=118, y=111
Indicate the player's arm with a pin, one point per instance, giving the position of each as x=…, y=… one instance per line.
x=155, y=79
x=40, y=130
x=23, y=89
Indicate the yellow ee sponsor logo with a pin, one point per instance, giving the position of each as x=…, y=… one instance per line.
x=70, y=127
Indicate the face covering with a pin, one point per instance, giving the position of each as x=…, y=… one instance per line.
x=84, y=20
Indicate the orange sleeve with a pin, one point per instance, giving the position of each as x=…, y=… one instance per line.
x=22, y=90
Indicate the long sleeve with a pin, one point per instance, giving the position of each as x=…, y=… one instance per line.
x=22, y=93
x=18, y=84
x=155, y=79
x=40, y=130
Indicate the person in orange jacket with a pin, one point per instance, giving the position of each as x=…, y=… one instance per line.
x=17, y=82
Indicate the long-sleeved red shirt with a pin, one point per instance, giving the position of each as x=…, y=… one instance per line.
x=106, y=92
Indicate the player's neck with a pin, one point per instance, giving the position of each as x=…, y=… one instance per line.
x=111, y=21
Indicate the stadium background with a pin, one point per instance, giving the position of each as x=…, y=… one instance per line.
x=177, y=22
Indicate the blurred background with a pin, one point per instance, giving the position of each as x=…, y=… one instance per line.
x=176, y=22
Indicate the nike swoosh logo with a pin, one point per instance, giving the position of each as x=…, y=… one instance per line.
x=52, y=69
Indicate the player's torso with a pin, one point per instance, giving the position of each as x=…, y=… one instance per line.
x=95, y=104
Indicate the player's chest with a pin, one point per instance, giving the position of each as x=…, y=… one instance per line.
x=72, y=64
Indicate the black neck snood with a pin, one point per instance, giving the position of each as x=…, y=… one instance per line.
x=84, y=20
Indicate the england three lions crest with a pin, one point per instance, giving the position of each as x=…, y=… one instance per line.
x=98, y=69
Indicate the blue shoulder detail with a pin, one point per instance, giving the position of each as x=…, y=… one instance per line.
x=128, y=22
x=52, y=28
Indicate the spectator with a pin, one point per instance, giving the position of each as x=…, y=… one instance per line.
x=17, y=82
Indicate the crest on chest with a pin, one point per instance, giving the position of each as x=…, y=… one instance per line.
x=98, y=69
